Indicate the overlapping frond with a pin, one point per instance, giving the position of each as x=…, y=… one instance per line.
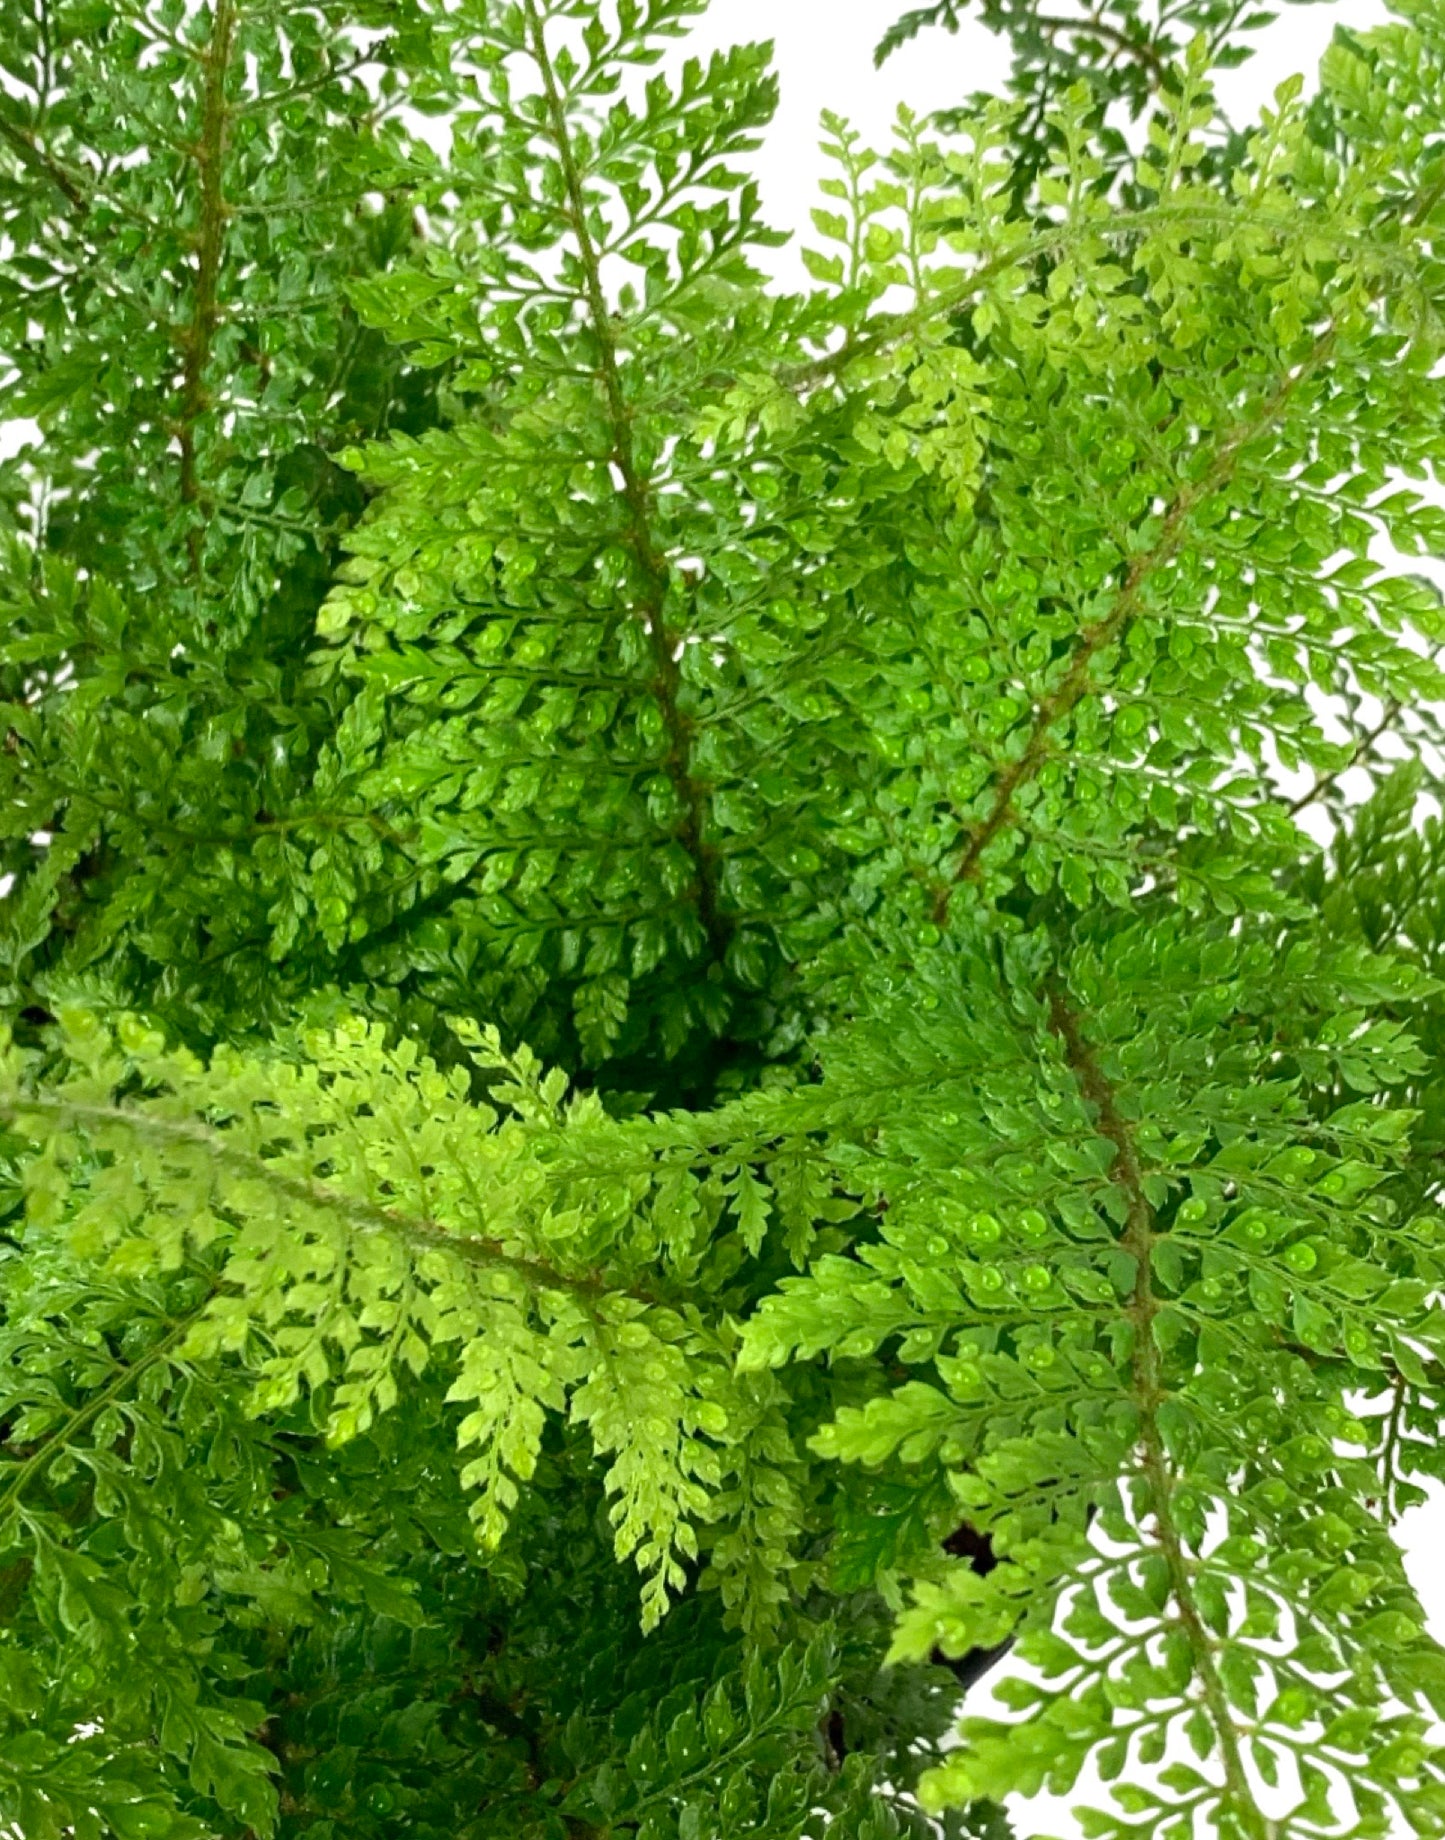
x=366, y=1219
x=184, y=196
x=1037, y=605
x=1141, y=1289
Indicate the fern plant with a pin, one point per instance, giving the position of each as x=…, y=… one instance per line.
x=679, y=1061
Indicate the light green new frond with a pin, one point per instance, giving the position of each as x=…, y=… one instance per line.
x=370, y=1218
x=639, y=1404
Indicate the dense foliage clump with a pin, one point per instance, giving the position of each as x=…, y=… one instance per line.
x=679, y=1059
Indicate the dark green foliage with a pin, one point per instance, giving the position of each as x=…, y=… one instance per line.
x=674, y=1067
x=1122, y=52
x=188, y=200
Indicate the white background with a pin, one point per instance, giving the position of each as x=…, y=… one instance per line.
x=824, y=54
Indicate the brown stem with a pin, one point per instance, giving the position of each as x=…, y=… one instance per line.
x=422, y=1234
x=31, y=154
x=1149, y=1391
x=1093, y=27
x=209, y=154
x=1362, y=747
x=637, y=495
x=1074, y=684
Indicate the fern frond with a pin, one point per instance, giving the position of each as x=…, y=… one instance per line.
x=367, y=1216
x=1138, y=1279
